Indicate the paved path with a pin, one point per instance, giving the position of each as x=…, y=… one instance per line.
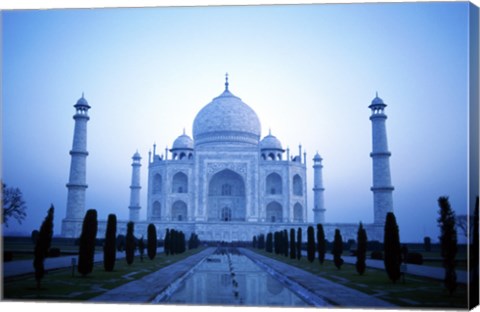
x=334, y=293
x=412, y=269
x=22, y=267
x=145, y=290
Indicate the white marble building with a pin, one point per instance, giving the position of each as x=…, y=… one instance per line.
x=227, y=175
x=229, y=184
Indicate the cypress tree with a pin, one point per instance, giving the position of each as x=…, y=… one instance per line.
x=166, y=242
x=474, y=263
x=172, y=242
x=299, y=243
x=151, y=241
x=197, y=241
x=361, y=249
x=448, y=242
x=86, y=250
x=293, y=253
x=182, y=242
x=268, y=245
x=129, y=243
x=427, y=243
x=310, y=244
x=392, y=248
x=261, y=241
x=42, y=245
x=337, y=249
x=120, y=242
x=320, y=243
x=191, y=241
x=285, y=242
x=254, y=241
x=110, y=245
x=276, y=242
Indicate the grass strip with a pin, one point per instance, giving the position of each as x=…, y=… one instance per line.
x=414, y=291
x=60, y=285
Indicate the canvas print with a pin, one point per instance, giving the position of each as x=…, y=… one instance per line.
x=288, y=155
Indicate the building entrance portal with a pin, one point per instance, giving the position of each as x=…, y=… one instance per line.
x=226, y=197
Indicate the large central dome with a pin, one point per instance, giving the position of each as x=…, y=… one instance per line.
x=226, y=120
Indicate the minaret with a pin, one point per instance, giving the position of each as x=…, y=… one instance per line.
x=318, y=200
x=77, y=185
x=135, y=189
x=382, y=187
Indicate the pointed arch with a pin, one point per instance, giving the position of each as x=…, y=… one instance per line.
x=156, y=210
x=180, y=183
x=297, y=213
x=297, y=185
x=274, y=212
x=273, y=184
x=179, y=211
x=157, y=183
x=226, y=189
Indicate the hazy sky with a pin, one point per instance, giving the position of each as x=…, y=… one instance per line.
x=309, y=72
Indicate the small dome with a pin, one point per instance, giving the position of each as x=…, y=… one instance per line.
x=377, y=101
x=136, y=156
x=183, y=142
x=317, y=157
x=82, y=102
x=270, y=142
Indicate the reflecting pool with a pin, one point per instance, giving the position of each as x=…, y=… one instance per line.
x=230, y=278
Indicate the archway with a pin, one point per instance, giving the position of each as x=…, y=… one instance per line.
x=297, y=185
x=179, y=211
x=156, y=211
x=226, y=197
x=297, y=213
x=273, y=184
x=274, y=212
x=180, y=183
x=157, y=184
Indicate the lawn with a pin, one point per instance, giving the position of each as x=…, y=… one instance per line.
x=60, y=285
x=413, y=292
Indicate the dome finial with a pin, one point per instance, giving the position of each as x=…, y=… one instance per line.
x=226, y=81
x=376, y=93
x=183, y=130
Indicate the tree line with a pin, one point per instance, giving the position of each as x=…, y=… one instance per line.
x=394, y=253
x=174, y=243
x=286, y=243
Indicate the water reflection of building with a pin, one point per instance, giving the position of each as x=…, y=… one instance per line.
x=212, y=283
x=228, y=184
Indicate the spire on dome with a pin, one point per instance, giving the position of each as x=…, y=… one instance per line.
x=82, y=104
x=226, y=81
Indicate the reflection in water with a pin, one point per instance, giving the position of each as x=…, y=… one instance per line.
x=232, y=279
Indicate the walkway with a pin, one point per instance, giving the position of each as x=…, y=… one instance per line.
x=145, y=290
x=334, y=293
x=22, y=267
x=412, y=269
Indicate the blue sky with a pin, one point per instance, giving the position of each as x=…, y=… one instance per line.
x=309, y=72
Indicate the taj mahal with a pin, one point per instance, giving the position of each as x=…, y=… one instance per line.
x=227, y=183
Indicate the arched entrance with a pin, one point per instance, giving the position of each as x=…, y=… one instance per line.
x=274, y=212
x=226, y=197
x=179, y=211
